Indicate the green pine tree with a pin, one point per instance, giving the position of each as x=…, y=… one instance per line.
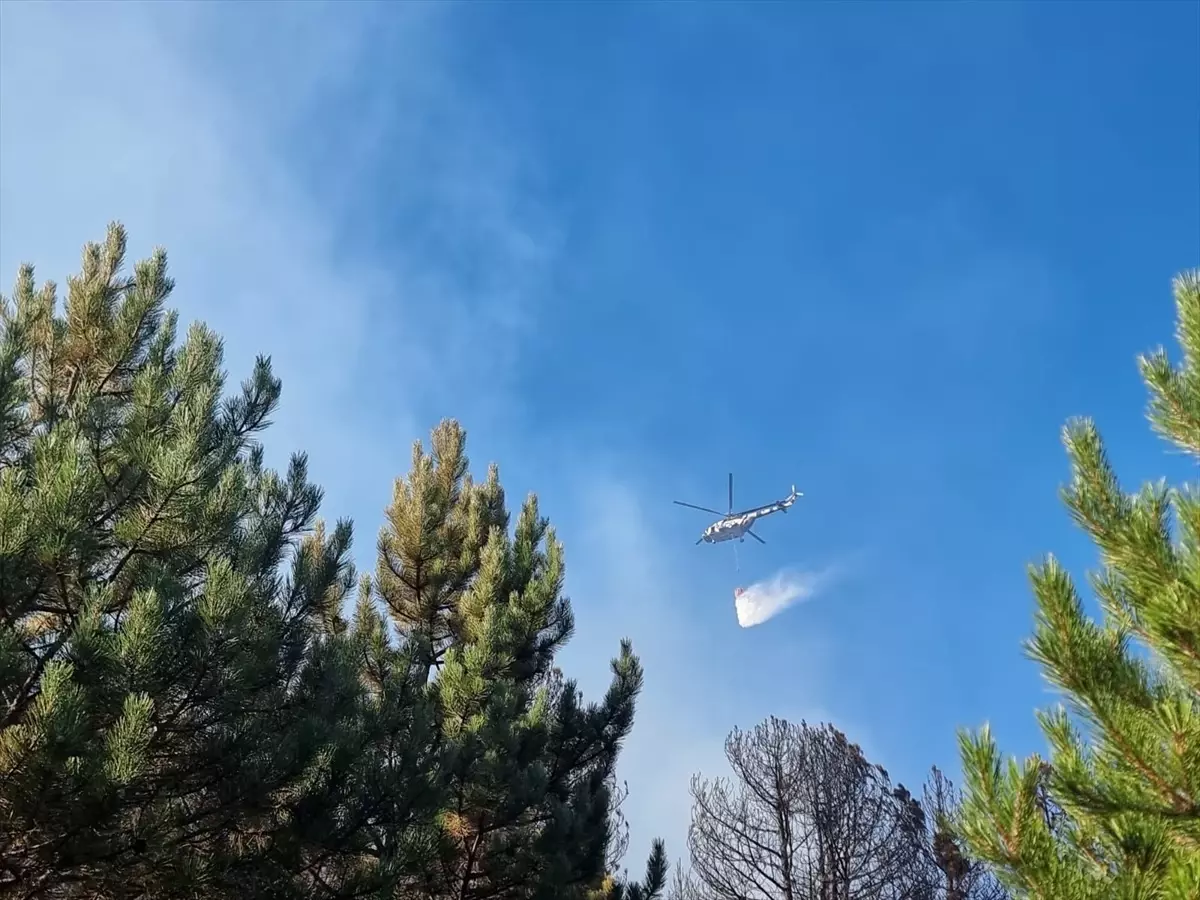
x=1115, y=810
x=528, y=809
x=183, y=711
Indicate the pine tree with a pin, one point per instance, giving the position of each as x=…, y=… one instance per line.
x=183, y=707
x=528, y=810
x=1115, y=810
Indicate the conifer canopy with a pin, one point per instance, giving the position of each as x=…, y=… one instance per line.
x=196, y=700
x=1114, y=811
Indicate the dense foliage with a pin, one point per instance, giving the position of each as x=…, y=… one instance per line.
x=1114, y=812
x=187, y=711
x=528, y=768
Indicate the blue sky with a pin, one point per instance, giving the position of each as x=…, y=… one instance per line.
x=882, y=251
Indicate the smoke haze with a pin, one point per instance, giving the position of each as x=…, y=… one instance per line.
x=766, y=599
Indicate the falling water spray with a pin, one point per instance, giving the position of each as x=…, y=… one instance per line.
x=766, y=599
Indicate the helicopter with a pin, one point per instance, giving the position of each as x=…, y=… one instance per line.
x=733, y=525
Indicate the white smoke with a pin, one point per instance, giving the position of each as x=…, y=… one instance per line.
x=766, y=599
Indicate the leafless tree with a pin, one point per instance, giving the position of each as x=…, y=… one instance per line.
x=684, y=886
x=618, y=825
x=953, y=875
x=805, y=817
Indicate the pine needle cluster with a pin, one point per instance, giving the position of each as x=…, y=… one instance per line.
x=1114, y=812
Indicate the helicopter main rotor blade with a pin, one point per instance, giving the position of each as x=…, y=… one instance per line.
x=701, y=508
x=731, y=493
x=756, y=537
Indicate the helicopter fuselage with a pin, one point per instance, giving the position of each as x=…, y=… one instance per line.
x=733, y=528
x=736, y=525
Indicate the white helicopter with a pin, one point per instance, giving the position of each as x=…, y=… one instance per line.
x=735, y=526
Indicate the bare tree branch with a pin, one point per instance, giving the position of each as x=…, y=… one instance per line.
x=805, y=817
x=955, y=876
